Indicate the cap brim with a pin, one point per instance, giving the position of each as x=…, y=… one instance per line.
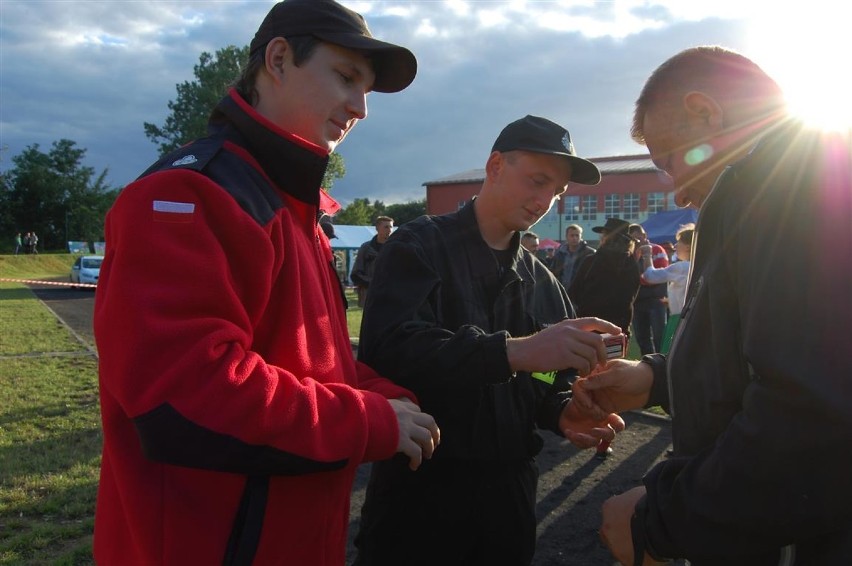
x=584, y=171
x=395, y=66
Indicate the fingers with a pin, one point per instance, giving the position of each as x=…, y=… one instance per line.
x=616, y=423
x=588, y=403
x=419, y=434
x=421, y=445
x=429, y=436
x=593, y=324
x=591, y=437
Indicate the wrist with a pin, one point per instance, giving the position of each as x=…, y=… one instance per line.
x=654, y=367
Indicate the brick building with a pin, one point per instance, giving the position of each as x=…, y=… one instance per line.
x=631, y=188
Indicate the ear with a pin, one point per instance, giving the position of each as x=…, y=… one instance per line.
x=702, y=110
x=494, y=164
x=277, y=54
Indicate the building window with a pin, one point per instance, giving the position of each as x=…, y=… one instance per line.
x=571, y=207
x=656, y=202
x=589, y=207
x=631, y=206
x=551, y=215
x=612, y=205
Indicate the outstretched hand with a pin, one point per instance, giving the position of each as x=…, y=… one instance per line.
x=419, y=434
x=622, y=385
x=587, y=432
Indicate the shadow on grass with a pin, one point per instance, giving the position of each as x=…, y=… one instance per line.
x=16, y=294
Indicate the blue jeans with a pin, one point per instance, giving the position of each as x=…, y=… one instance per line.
x=649, y=324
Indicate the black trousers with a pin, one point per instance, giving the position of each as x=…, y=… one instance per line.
x=449, y=513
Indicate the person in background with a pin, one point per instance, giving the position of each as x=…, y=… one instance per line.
x=671, y=253
x=365, y=261
x=650, y=309
x=757, y=381
x=529, y=241
x=675, y=276
x=606, y=284
x=18, y=243
x=548, y=256
x=477, y=328
x=234, y=414
x=567, y=257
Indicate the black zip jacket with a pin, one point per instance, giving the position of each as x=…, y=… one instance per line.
x=429, y=326
x=760, y=371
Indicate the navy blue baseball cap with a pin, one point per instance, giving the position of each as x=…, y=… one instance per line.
x=395, y=66
x=540, y=135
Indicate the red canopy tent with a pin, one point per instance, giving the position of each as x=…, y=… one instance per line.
x=547, y=243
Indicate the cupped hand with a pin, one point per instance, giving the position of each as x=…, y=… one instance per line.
x=587, y=432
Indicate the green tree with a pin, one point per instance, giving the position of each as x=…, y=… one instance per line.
x=406, y=212
x=360, y=212
x=214, y=74
x=55, y=196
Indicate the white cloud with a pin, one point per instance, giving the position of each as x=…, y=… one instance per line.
x=94, y=72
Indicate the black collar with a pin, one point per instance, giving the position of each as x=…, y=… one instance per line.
x=294, y=165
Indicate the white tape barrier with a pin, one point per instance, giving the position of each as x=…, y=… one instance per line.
x=36, y=281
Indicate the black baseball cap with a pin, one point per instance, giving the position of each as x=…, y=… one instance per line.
x=395, y=66
x=616, y=226
x=613, y=225
x=540, y=135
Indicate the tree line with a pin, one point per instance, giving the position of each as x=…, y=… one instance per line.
x=55, y=195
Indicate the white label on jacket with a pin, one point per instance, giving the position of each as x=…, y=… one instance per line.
x=174, y=207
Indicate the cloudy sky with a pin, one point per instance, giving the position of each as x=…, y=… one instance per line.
x=94, y=71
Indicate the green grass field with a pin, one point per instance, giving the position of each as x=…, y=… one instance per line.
x=50, y=438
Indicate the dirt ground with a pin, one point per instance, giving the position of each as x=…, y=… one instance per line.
x=572, y=486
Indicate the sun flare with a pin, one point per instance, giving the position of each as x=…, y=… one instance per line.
x=807, y=51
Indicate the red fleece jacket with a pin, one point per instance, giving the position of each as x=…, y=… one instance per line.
x=224, y=356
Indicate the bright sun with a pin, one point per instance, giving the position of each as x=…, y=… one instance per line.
x=807, y=52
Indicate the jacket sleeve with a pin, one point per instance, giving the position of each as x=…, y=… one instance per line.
x=359, y=271
x=659, y=261
x=577, y=289
x=770, y=479
x=177, y=321
x=558, y=263
x=654, y=275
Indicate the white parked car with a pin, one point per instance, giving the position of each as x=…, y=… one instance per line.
x=86, y=269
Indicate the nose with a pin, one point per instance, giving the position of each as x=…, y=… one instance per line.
x=543, y=202
x=357, y=106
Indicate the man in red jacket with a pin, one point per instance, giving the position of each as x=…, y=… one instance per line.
x=234, y=415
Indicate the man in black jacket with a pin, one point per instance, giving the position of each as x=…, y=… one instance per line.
x=461, y=315
x=759, y=378
x=365, y=261
x=569, y=255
